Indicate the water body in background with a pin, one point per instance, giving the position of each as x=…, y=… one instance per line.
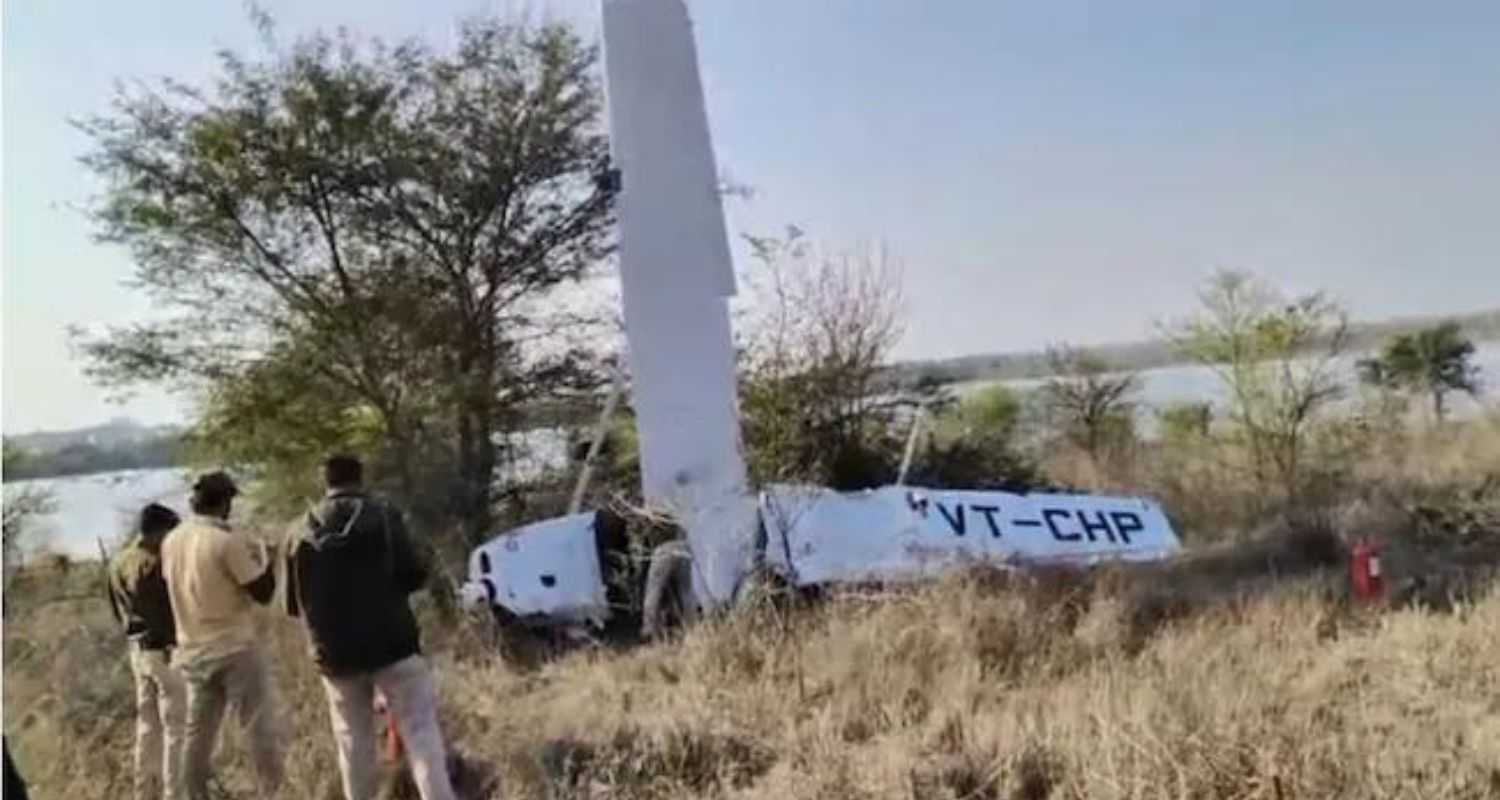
x=104, y=506
x=89, y=507
x=1168, y=386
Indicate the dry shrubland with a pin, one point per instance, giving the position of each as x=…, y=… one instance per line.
x=1242, y=671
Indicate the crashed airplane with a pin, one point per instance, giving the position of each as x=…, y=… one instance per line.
x=677, y=277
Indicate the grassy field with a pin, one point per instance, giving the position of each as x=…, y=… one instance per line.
x=1244, y=671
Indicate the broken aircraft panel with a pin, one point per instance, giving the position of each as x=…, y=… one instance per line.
x=676, y=278
x=558, y=570
x=815, y=535
x=551, y=571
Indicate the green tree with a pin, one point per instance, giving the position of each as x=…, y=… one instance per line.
x=992, y=412
x=973, y=445
x=278, y=417
x=1434, y=361
x=1185, y=422
x=388, y=223
x=1278, y=359
x=814, y=341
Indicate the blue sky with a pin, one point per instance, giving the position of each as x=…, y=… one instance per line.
x=1047, y=171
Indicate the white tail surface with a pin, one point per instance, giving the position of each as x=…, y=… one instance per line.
x=676, y=276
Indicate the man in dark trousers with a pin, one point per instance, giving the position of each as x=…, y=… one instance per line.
x=350, y=570
x=139, y=596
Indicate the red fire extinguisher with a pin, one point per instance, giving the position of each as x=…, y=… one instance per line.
x=1365, y=571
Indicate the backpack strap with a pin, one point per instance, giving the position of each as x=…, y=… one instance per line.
x=390, y=551
x=359, y=506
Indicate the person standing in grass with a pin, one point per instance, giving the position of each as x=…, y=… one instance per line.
x=350, y=571
x=215, y=576
x=139, y=597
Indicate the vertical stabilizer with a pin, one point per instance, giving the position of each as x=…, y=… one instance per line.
x=676, y=274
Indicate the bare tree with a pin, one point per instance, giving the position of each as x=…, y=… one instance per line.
x=22, y=505
x=1088, y=400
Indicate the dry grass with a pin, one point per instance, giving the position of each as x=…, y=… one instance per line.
x=979, y=688
x=1242, y=672
x=1389, y=466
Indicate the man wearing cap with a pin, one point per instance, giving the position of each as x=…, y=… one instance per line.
x=215, y=577
x=350, y=571
x=139, y=597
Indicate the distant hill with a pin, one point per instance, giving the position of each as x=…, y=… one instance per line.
x=116, y=445
x=118, y=432
x=1143, y=355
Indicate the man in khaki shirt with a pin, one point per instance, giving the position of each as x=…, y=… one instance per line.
x=215, y=577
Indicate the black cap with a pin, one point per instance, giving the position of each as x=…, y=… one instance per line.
x=157, y=518
x=215, y=486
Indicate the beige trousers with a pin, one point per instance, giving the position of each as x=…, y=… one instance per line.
x=411, y=696
x=240, y=679
x=160, y=703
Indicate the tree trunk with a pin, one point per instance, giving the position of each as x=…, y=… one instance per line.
x=477, y=456
x=1437, y=405
x=1093, y=436
x=468, y=460
x=481, y=516
x=402, y=453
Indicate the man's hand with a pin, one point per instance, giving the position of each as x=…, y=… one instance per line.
x=251, y=565
x=264, y=587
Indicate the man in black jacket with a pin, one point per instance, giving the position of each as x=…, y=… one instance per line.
x=139, y=597
x=350, y=570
